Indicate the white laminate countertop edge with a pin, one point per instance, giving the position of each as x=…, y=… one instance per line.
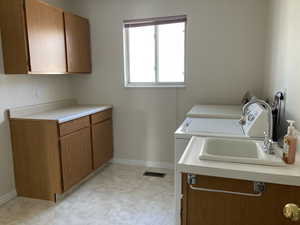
x=56, y=111
x=82, y=114
x=27, y=110
x=189, y=163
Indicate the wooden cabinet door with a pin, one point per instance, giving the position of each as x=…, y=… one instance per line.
x=102, y=143
x=14, y=37
x=77, y=31
x=46, y=37
x=76, y=157
x=210, y=208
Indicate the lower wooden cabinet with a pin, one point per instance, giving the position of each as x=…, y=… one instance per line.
x=102, y=143
x=50, y=158
x=210, y=208
x=76, y=157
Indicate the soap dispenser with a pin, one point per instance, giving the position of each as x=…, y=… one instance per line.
x=290, y=144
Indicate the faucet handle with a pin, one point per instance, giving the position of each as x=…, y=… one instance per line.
x=268, y=143
x=242, y=120
x=271, y=143
x=266, y=138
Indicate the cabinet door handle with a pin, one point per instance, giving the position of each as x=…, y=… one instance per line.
x=291, y=211
x=258, y=187
x=226, y=192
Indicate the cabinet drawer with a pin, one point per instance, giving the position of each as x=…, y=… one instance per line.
x=73, y=125
x=101, y=116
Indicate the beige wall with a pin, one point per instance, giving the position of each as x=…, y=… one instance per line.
x=18, y=90
x=225, y=55
x=283, y=67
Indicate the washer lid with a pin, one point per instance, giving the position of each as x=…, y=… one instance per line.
x=213, y=126
x=216, y=111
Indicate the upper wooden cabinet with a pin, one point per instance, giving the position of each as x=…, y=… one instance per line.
x=38, y=38
x=46, y=38
x=78, y=40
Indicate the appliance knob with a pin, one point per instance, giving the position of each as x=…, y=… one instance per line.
x=251, y=117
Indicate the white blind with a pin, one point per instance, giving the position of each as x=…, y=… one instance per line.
x=154, y=21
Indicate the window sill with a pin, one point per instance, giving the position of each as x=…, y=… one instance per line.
x=155, y=86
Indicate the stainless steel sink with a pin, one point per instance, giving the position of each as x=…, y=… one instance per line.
x=238, y=151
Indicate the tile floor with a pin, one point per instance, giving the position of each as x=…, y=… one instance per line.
x=117, y=195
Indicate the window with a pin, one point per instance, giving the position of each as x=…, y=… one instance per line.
x=154, y=52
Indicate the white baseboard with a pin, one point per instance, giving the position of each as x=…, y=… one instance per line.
x=162, y=165
x=7, y=197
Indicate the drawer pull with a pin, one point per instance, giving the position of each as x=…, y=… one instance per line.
x=258, y=187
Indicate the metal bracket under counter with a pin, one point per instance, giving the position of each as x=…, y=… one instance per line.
x=258, y=188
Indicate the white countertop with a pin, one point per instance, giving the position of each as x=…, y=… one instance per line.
x=215, y=111
x=189, y=163
x=61, y=112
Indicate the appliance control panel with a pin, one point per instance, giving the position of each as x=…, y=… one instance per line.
x=256, y=121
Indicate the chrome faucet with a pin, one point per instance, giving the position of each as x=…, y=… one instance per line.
x=268, y=141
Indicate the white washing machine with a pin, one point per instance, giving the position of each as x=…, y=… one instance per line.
x=224, y=125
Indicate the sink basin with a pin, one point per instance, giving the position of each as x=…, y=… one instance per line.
x=238, y=151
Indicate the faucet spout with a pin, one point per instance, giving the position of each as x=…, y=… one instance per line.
x=269, y=134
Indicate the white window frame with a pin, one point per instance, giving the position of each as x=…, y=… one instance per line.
x=160, y=20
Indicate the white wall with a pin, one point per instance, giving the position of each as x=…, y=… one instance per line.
x=18, y=90
x=225, y=55
x=283, y=67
